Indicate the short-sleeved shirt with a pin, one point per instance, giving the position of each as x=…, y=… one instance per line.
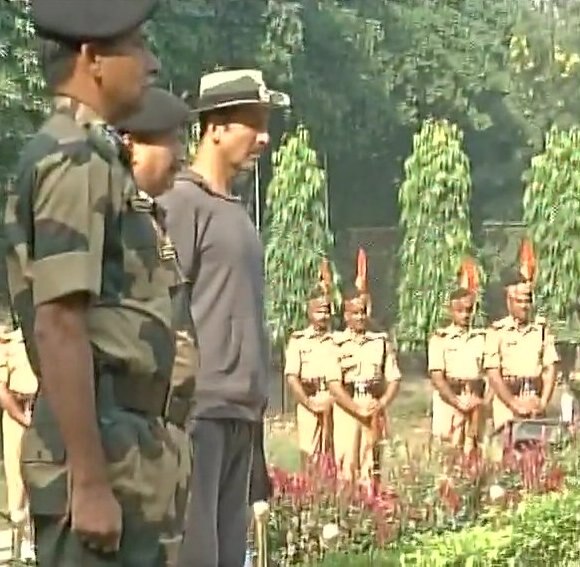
x=457, y=352
x=74, y=223
x=221, y=253
x=521, y=351
x=366, y=356
x=311, y=355
x=15, y=370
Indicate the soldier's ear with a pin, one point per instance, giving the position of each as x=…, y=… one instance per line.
x=89, y=55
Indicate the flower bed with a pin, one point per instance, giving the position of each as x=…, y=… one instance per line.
x=427, y=497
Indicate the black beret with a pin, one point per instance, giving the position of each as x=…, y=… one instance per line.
x=89, y=20
x=160, y=112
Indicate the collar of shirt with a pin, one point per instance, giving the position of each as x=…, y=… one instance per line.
x=513, y=325
x=200, y=181
x=86, y=117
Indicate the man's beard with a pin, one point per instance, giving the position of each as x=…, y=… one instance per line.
x=243, y=183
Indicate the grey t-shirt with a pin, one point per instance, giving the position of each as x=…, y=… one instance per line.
x=220, y=251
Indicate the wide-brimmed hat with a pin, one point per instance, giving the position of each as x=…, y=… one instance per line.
x=223, y=89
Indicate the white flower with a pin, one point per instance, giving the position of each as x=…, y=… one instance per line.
x=261, y=510
x=496, y=492
x=330, y=533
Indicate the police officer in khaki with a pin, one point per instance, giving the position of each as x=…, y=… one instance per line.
x=370, y=382
x=455, y=358
x=18, y=386
x=520, y=354
x=312, y=362
x=154, y=138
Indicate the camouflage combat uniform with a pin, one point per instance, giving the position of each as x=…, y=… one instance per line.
x=75, y=223
x=180, y=399
x=162, y=115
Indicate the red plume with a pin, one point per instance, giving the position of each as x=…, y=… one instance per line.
x=325, y=276
x=527, y=260
x=361, y=281
x=468, y=276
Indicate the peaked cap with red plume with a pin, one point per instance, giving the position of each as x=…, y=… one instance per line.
x=325, y=277
x=361, y=281
x=468, y=276
x=527, y=260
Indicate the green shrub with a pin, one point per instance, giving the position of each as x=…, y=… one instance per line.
x=543, y=531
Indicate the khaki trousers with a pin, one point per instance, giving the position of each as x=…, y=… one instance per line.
x=355, y=444
x=312, y=430
x=12, y=450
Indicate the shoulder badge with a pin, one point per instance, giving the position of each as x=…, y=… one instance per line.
x=297, y=334
x=441, y=332
x=499, y=324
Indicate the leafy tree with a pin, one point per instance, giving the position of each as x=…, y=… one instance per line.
x=552, y=214
x=297, y=233
x=434, y=201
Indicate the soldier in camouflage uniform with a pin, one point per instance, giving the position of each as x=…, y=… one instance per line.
x=520, y=353
x=455, y=364
x=153, y=138
x=89, y=286
x=311, y=361
x=369, y=382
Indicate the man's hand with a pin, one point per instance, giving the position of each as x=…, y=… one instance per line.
x=319, y=406
x=368, y=410
x=97, y=517
x=524, y=407
x=467, y=405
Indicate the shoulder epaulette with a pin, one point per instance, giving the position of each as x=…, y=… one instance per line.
x=297, y=334
x=499, y=324
x=373, y=335
x=441, y=332
x=478, y=331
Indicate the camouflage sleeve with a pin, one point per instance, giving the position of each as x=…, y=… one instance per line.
x=550, y=354
x=69, y=212
x=436, y=354
x=491, y=352
x=292, y=366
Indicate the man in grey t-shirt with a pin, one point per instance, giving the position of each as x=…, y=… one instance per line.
x=221, y=253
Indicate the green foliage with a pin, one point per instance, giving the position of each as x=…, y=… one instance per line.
x=542, y=531
x=21, y=102
x=434, y=202
x=297, y=234
x=552, y=214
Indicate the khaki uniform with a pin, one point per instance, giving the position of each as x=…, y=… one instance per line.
x=21, y=381
x=368, y=363
x=521, y=353
x=313, y=358
x=458, y=353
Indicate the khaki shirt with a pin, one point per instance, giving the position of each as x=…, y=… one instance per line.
x=519, y=351
x=367, y=356
x=457, y=352
x=15, y=370
x=311, y=355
